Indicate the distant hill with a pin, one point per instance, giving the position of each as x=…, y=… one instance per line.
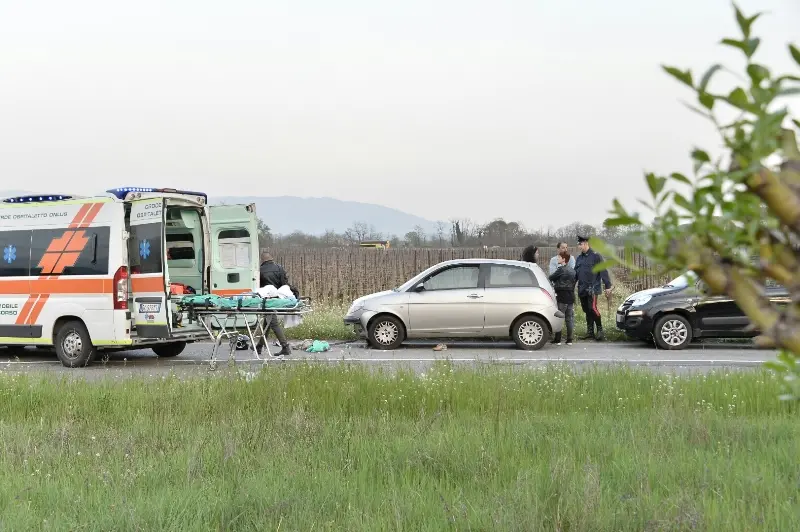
x=285, y=214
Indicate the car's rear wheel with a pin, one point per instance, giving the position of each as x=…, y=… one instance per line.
x=672, y=332
x=73, y=345
x=386, y=332
x=530, y=333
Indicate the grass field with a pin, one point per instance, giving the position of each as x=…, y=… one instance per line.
x=302, y=447
x=325, y=323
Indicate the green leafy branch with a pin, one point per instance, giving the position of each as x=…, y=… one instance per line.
x=736, y=222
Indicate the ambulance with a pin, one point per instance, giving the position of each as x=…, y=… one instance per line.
x=92, y=274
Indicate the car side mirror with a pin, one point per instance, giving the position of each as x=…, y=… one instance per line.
x=419, y=288
x=701, y=287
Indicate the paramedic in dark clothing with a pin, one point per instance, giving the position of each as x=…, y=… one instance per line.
x=589, y=287
x=273, y=274
x=563, y=279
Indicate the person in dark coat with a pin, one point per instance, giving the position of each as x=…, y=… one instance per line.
x=564, y=280
x=590, y=286
x=273, y=274
x=530, y=254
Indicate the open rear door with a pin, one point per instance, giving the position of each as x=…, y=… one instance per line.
x=146, y=249
x=234, y=249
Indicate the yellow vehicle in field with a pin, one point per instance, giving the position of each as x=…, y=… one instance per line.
x=378, y=244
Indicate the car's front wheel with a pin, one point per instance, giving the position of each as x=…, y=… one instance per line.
x=530, y=333
x=672, y=332
x=386, y=332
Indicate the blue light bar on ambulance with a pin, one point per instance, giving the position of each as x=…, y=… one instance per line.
x=37, y=198
x=122, y=192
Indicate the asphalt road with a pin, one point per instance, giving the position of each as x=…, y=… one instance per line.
x=417, y=356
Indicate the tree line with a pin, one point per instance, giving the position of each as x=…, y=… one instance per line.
x=460, y=233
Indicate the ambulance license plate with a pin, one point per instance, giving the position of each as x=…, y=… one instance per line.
x=149, y=307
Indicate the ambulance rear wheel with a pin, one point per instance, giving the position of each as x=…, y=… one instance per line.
x=169, y=350
x=73, y=345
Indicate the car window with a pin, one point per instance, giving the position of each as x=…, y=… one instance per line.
x=459, y=277
x=501, y=276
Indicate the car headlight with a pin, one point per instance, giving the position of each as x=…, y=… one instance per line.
x=355, y=307
x=638, y=301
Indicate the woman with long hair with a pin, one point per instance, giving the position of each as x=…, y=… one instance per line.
x=530, y=254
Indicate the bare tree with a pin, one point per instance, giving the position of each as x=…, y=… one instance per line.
x=441, y=227
x=413, y=239
x=420, y=233
x=462, y=231
x=358, y=232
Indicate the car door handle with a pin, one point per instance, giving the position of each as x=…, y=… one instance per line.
x=474, y=296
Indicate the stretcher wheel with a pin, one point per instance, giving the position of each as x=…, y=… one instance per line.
x=242, y=343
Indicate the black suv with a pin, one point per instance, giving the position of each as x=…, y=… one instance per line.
x=681, y=311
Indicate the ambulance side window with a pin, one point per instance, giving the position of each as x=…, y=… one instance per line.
x=63, y=251
x=16, y=246
x=234, y=248
x=144, y=248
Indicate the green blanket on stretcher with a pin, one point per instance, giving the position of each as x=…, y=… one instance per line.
x=233, y=302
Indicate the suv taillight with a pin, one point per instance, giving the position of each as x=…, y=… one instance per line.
x=121, y=289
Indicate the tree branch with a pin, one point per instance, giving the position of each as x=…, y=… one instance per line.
x=780, y=198
x=791, y=153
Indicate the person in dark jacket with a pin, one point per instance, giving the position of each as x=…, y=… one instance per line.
x=530, y=254
x=273, y=274
x=564, y=279
x=590, y=286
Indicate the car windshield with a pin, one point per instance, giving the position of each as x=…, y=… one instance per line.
x=414, y=280
x=682, y=281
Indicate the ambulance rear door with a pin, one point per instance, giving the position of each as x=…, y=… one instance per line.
x=234, y=249
x=148, y=276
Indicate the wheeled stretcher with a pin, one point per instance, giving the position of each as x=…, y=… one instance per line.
x=219, y=316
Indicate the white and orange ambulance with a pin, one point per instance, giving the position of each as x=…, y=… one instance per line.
x=89, y=274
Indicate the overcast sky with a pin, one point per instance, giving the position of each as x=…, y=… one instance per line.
x=540, y=111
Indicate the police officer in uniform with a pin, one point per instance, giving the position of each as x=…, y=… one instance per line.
x=590, y=287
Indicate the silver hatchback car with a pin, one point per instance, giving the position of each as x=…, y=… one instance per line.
x=470, y=298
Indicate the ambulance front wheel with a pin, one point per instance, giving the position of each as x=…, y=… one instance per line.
x=169, y=350
x=73, y=345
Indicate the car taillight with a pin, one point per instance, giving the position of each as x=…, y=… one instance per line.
x=547, y=294
x=121, y=289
